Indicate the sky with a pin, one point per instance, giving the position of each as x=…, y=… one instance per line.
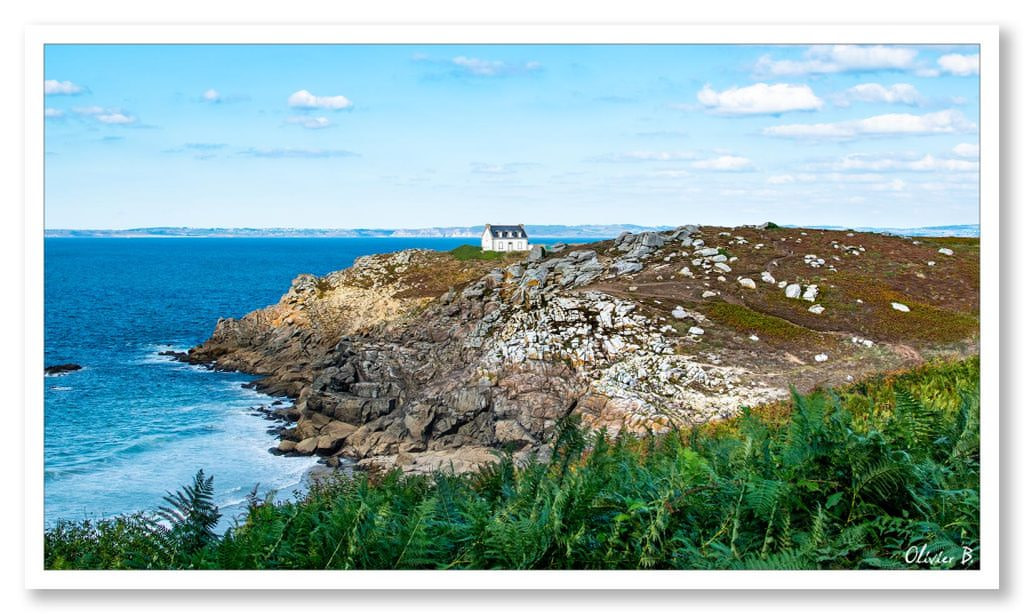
x=412, y=136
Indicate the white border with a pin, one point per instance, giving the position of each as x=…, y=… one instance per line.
x=986, y=36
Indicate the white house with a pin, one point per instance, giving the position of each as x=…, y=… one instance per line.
x=504, y=239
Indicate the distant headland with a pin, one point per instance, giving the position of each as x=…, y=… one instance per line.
x=590, y=231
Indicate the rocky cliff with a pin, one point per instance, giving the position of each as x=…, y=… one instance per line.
x=419, y=360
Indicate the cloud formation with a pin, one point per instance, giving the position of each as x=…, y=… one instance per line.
x=312, y=123
x=113, y=117
x=967, y=150
x=928, y=162
x=959, y=65
x=304, y=99
x=760, y=98
x=49, y=112
x=289, y=152
x=492, y=68
x=644, y=156
x=205, y=146
x=725, y=163
x=829, y=59
x=52, y=87
x=508, y=168
x=898, y=93
x=892, y=124
x=211, y=95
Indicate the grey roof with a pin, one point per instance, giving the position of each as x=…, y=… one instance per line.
x=517, y=228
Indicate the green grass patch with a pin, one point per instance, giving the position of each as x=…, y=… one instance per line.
x=748, y=321
x=474, y=252
x=876, y=317
x=952, y=241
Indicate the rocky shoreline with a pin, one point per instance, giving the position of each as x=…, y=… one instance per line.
x=420, y=361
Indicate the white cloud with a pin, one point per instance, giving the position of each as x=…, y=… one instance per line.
x=966, y=150
x=670, y=173
x=53, y=112
x=959, y=65
x=492, y=68
x=55, y=88
x=290, y=152
x=892, y=124
x=896, y=185
x=106, y=116
x=943, y=186
x=115, y=118
x=760, y=98
x=313, y=123
x=508, y=168
x=780, y=179
x=859, y=162
x=476, y=66
x=725, y=163
x=211, y=95
x=303, y=99
x=898, y=93
x=931, y=163
x=828, y=59
x=645, y=156
x=94, y=110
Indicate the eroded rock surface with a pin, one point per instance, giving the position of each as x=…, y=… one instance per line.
x=421, y=361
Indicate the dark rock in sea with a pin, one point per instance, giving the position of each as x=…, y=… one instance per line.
x=182, y=356
x=278, y=402
x=61, y=369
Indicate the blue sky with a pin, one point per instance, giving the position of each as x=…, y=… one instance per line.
x=407, y=136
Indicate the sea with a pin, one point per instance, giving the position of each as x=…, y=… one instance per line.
x=132, y=425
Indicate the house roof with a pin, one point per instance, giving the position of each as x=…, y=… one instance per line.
x=516, y=228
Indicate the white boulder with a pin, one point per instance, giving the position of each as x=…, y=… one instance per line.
x=793, y=291
x=810, y=293
x=900, y=307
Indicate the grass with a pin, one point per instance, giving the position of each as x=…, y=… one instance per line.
x=473, y=252
x=969, y=242
x=748, y=321
x=844, y=479
x=922, y=323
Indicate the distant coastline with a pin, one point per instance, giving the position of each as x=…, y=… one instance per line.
x=468, y=232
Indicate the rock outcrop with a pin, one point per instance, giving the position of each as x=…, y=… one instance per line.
x=61, y=369
x=421, y=361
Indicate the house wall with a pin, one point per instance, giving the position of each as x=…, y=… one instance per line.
x=503, y=244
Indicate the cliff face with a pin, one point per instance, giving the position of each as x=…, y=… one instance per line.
x=423, y=361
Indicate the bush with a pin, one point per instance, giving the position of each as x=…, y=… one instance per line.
x=851, y=479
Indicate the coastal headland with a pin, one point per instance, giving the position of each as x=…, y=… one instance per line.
x=429, y=360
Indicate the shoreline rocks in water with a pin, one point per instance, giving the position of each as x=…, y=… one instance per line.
x=61, y=369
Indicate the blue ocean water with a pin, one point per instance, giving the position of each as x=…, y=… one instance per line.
x=132, y=424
